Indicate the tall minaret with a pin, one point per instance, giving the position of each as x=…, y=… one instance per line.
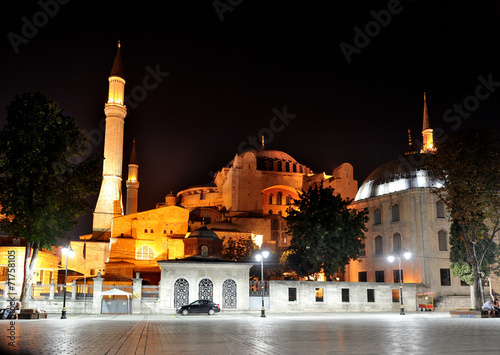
x=428, y=143
x=109, y=203
x=132, y=182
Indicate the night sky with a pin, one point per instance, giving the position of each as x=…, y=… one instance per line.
x=346, y=77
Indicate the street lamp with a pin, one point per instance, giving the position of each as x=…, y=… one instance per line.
x=397, y=252
x=69, y=253
x=260, y=257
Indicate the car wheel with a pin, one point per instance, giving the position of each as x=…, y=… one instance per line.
x=211, y=312
x=185, y=312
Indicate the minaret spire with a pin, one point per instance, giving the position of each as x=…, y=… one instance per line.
x=109, y=203
x=132, y=182
x=427, y=132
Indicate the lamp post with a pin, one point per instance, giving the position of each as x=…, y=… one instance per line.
x=69, y=253
x=397, y=254
x=260, y=257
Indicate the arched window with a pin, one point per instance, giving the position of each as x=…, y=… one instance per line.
x=442, y=241
x=278, y=166
x=270, y=211
x=379, y=249
x=395, y=213
x=288, y=200
x=377, y=216
x=181, y=292
x=144, y=253
x=204, y=250
x=206, y=290
x=279, y=195
x=440, y=209
x=270, y=200
x=229, y=294
x=396, y=241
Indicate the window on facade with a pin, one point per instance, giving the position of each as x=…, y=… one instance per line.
x=287, y=200
x=440, y=209
x=395, y=295
x=379, y=276
x=345, y=295
x=445, y=277
x=395, y=213
x=370, y=295
x=151, y=231
x=294, y=168
x=275, y=236
x=396, y=241
x=463, y=283
x=319, y=294
x=270, y=211
x=279, y=195
x=278, y=166
x=442, y=241
x=145, y=253
x=362, y=276
x=377, y=216
x=204, y=250
x=270, y=200
x=362, y=252
x=145, y=230
x=292, y=294
x=379, y=250
x=396, y=275
x=287, y=167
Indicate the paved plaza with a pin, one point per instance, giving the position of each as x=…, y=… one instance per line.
x=322, y=333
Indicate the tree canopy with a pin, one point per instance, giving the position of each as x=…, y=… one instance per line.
x=44, y=181
x=468, y=164
x=326, y=234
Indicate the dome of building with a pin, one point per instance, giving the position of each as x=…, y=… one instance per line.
x=204, y=233
x=275, y=154
x=402, y=173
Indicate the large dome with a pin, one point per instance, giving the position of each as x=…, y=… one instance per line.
x=275, y=154
x=402, y=173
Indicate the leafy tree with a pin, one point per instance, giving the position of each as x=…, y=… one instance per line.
x=468, y=164
x=238, y=249
x=326, y=234
x=44, y=181
x=486, y=249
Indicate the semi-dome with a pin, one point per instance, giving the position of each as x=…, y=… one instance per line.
x=402, y=173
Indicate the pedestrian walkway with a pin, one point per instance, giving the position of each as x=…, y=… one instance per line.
x=322, y=333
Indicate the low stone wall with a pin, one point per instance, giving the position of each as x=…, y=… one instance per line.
x=311, y=296
x=448, y=303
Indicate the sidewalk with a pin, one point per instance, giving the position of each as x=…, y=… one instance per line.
x=298, y=333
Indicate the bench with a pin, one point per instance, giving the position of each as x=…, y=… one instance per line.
x=30, y=313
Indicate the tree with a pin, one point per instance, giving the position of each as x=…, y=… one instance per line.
x=468, y=165
x=326, y=234
x=44, y=181
x=486, y=249
x=238, y=249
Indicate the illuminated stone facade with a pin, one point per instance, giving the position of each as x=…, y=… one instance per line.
x=405, y=213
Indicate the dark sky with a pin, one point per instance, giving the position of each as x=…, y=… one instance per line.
x=232, y=70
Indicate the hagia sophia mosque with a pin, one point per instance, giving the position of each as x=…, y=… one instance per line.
x=249, y=198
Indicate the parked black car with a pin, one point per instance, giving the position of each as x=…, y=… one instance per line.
x=199, y=306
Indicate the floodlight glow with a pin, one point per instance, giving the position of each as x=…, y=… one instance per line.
x=391, y=258
x=407, y=255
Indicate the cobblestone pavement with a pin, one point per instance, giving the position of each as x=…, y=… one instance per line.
x=332, y=333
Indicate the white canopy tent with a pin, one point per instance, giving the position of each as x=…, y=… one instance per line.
x=117, y=292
